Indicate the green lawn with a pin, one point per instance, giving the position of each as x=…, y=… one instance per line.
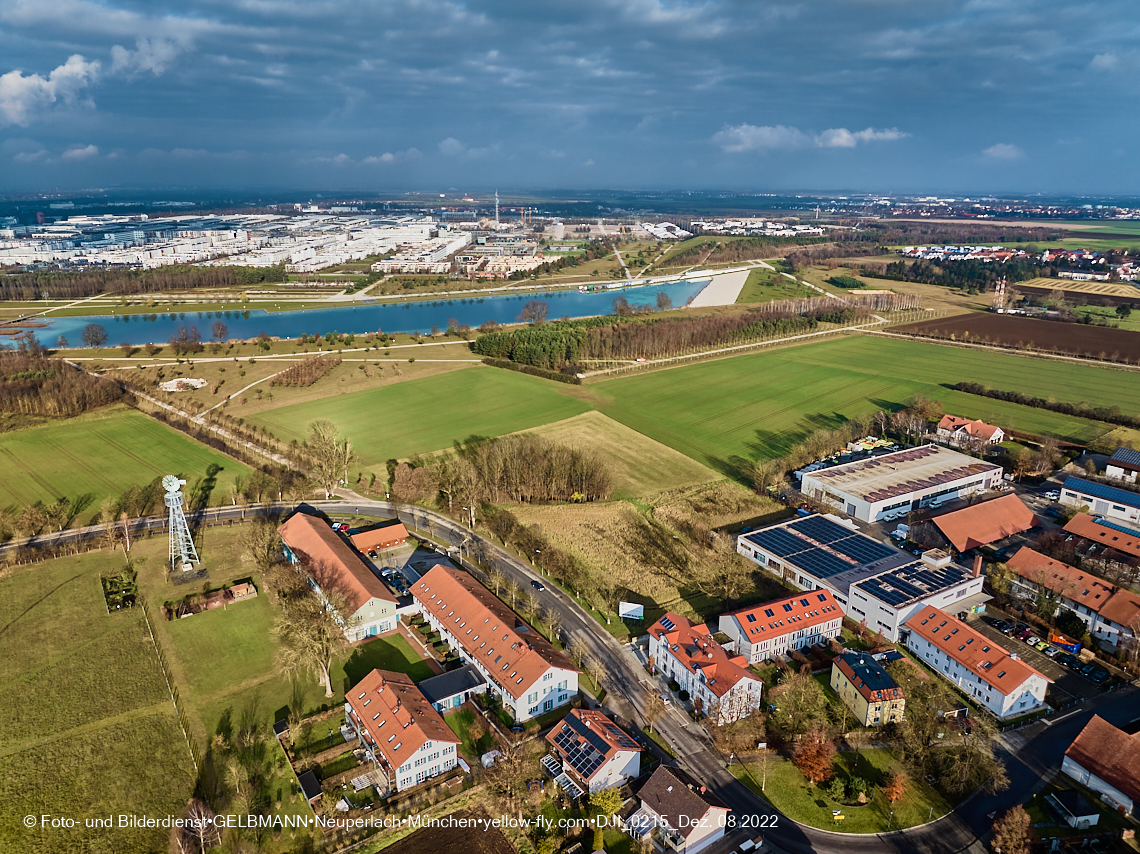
x=410, y=418
x=99, y=454
x=760, y=405
x=460, y=722
x=768, y=285
x=86, y=724
x=788, y=791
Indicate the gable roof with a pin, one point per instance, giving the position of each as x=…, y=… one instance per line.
x=973, y=650
x=484, y=626
x=868, y=677
x=396, y=716
x=694, y=647
x=586, y=739
x=1118, y=537
x=986, y=522
x=679, y=799
x=781, y=616
x=379, y=537
x=1102, y=490
x=1126, y=458
x=1107, y=600
x=322, y=551
x=1109, y=753
x=972, y=427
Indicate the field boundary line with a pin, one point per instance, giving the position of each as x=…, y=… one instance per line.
x=179, y=712
x=1010, y=351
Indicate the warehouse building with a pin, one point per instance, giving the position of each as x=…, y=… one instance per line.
x=1117, y=505
x=904, y=480
x=870, y=581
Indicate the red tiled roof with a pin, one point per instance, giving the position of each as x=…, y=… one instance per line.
x=987, y=522
x=790, y=614
x=322, y=551
x=1111, y=602
x=488, y=630
x=972, y=427
x=1084, y=525
x=396, y=716
x=1109, y=753
x=973, y=650
x=696, y=650
x=380, y=537
x=598, y=723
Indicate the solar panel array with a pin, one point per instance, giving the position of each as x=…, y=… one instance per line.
x=1102, y=490
x=820, y=562
x=911, y=582
x=1124, y=529
x=582, y=756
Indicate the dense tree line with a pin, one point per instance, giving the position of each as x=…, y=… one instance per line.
x=564, y=344
x=67, y=285
x=523, y=468
x=973, y=275
x=306, y=372
x=32, y=384
x=1108, y=414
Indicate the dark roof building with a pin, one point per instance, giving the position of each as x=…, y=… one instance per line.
x=686, y=813
x=452, y=688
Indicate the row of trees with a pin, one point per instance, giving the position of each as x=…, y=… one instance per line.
x=76, y=285
x=1108, y=414
x=306, y=372
x=33, y=384
x=521, y=468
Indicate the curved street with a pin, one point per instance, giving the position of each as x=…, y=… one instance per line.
x=1032, y=755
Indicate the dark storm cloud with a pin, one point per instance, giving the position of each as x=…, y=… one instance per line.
x=875, y=94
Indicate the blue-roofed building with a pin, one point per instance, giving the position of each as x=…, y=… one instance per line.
x=1112, y=503
x=1124, y=465
x=869, y=580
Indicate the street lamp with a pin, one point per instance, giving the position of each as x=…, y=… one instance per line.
x=891, y=821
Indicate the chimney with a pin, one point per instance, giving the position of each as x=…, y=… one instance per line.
x=977, y=566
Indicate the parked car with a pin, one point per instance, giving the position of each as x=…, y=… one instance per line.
x=1053, y=494
x=1024, y=635
x=1052, y=652
x=1086, y=669
x=1002, y=626
x=1076, y=664
x=1041, y=646
x=1033, y=640
x=538, y=585
x=1066, y=659
x=1099, y=676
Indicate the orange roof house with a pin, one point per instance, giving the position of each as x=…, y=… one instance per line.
x=387, y=537
x=1107, y=760
x=400, y=727
x=333, y=566
x=1110, y=536
x=984, y=523
x=955, y=426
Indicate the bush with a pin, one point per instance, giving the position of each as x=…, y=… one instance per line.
x=845, y=282
x=684, y=695
x=674, y=685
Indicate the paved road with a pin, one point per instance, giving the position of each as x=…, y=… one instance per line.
x=1030, y=754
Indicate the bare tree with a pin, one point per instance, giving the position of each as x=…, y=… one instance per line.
x=329, y=455
x=261, y=544
x=310, y=631
x=654, y=709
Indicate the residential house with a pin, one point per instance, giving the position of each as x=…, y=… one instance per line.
x=1106, y=760
x=1102, y=540
x=331, y=564
x=776, y=628
x=521, y=667
x=407, y=739
x=1124, y=464
x=718, y=683
x=678, y=813
x=867, y=689
x=594, y=751
x=1110, y=612
x=982, y=668
x=968, y=431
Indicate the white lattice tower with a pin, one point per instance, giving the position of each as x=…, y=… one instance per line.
x=183, y=555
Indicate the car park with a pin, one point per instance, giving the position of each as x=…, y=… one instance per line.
x=1076, y=664
x=1041, y=646
x=1099, y=676
x=1086, y=669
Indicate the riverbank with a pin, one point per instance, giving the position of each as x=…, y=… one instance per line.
x=722, y=289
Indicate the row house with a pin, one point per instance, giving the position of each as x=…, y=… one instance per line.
x=407, y=740
x=521, y=667
x=720, y=684
x=775, y=628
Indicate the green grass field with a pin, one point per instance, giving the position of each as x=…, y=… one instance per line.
x=790, y=792
x=87, y=725
x=768, y=285
x=460, y=722
x=761, y=405
x=101, y=453
x=405, y=419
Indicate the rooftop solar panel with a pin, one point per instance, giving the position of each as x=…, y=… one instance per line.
x=821, y=564
x=820, y=529
x=779, y=542
x=1102, y=490
x=863, y=549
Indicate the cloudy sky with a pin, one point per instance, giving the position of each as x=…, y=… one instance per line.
x=948, y=96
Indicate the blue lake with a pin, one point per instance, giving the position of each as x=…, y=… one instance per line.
x=409, y=317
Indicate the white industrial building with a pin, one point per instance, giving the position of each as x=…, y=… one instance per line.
x=1117, y=505
x=904, y=480
x=871, y=581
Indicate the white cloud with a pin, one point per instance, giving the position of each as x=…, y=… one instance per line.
x=452, y=147
x=153, y=55
x=1105, y=61
x=748, y=137
x=589, y=162
x=1004, y=151
x=21, y=97
x=80, y=152
x=393, y=157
